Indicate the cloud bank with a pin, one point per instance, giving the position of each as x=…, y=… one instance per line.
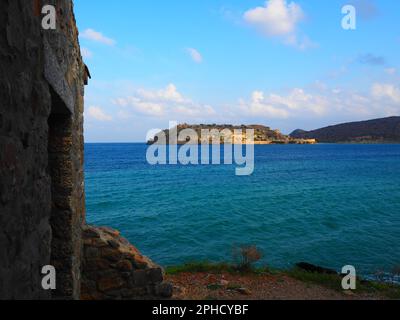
x=167, y=103
x=98, y=114
x=96, y=36
x=381, y=100
x=279, y=19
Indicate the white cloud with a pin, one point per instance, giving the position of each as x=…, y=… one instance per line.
x=86, y=53
x=96, y=36
x=280, y=19
x=388, y=91
x=166, y=102
x=195, y=55
x=170, y=93
x=382, y=100
x=258, y=106
x=141, y=106
x=124, y=115
x=277, y=106
x=98, y=114
x=276, y=18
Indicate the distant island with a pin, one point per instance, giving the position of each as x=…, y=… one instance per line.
x=384, y=130
x=226, y=133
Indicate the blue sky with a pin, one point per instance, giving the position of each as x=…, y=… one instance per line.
x=285, y=64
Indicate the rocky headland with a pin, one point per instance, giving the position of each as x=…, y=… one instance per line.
x=226, y=133
x=385, y=130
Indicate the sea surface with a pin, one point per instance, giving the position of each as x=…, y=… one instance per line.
x=329, y=204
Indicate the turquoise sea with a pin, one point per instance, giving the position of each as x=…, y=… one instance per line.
x=328, y=204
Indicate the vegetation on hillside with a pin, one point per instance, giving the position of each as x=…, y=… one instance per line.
x=246, y=257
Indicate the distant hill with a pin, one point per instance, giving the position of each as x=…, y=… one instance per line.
x=226, y=132
x=371, y=131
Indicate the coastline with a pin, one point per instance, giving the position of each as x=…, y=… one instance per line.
x=205, y=281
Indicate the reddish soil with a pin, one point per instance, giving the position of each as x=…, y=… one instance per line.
x=206, y=286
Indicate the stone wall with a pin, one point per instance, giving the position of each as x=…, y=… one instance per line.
x=41, y=76
x=65, y=72
x=42, y=199
x=114, y=269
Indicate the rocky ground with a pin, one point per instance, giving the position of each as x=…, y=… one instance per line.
x=226, y=286
x=113, y=269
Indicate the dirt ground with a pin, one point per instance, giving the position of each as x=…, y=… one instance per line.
x=225, y=286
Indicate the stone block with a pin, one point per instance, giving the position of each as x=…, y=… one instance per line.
x=109, y=283
x=155, y=275
x=164, y=290
x=110, y=254
x=140, y=278
x=124, y=265
x=92, y=252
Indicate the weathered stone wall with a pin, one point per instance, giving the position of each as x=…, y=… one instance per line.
x=64, y=70
x=114, y=269
x=42, y=200
x=41, y=74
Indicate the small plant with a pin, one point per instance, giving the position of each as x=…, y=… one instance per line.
x=246, y=257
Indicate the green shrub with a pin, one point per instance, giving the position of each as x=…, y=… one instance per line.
x=245, y=257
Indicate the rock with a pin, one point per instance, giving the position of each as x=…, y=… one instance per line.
x=113, y=244
x=99, y=243
x=124, y=265
x=156, y=275
x=244, y=291
x=118, y=269
x=110, y=254
x=110, y=231
x=92, y=252
x=314, y=269
x=90, y=232
x=164, y=290
x=110, y=283
x=96, y=264
x=140, y=278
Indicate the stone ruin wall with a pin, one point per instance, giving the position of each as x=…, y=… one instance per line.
x=41, y=184
x=42, y=204
x=114, y=269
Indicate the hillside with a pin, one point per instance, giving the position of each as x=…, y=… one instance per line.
x=208, y=281
x=226, y=132
x=371, y=131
